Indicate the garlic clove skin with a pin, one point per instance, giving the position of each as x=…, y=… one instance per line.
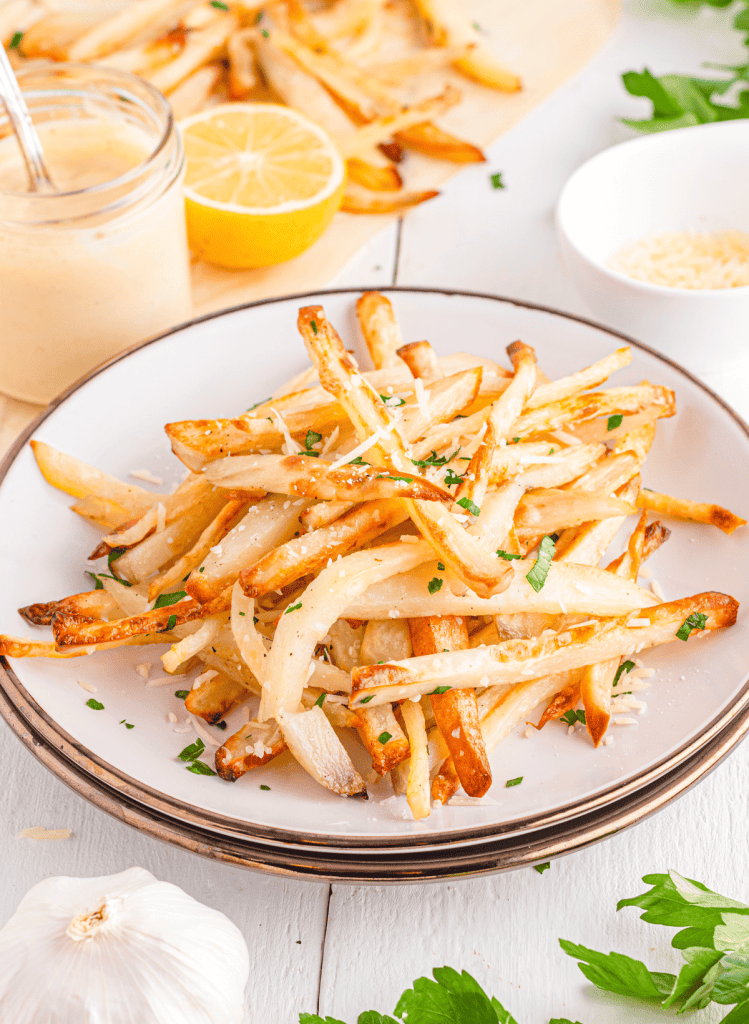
x=121, y=949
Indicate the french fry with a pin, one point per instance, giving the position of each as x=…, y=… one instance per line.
x=202, y=46
x=417, y=792
x=52, y=33
x=448, y=25
x=455, y=712
x=242, y=78
x=306, y=554
x=356, y=200
x=549, y=510
x=93, y=604
x=432, y=141
x=420, y=357
x=311, y=739
x=323, y=514
x=18, y=647
x=585, y=545
x=380, y=129
x=215, y=697
x=304, y=477
x=80, y=480
x=121, y=27
x=382, y=736
x=191, y=645
x=694, y=511
x=192, y=93
x=581, y=408
x=569, y=588
x=70, y=631
x=591, y=377
x=570, y=649
x=255, y=744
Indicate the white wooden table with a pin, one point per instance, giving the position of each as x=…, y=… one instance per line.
x=339, y=949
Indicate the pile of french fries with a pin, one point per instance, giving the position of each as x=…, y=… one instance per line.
x=411, y=552
x=372, y=73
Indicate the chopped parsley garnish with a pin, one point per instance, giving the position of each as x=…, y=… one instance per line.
x=573, y=717
x=320, y=699
x=164, y=600
x=452, y=479
x=201, y=569
x=15, y=41
x=171, y=622
x=114, y=554
x=537, y=576
x=516, y=440
x=366, y=700
x=434, y=585
x=95, y=705
x=312, y=324
x=293, y=607
x=193, y=751
x=542, y=867
x=440, y=689
x=507, y=555
x=258, y=17
x=384, y=737
x=393, y=401
x=440, y=567
x=435, y=459
x=266, y=788
x=513, y=782
x=614, y=421
x=359, y=461
x=242, y=614
x=181, y=694
x=626, y=666
x=219, y=5
x=402, y=479
x=98, y=585
x=469, y=506
x=697, y=620
x=127, y=724
x=496, y=180
x=200, y=768
x=312, y=438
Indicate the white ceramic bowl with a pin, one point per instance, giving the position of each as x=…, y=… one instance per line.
x=687, y=179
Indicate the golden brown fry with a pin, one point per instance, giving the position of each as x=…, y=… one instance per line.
x=17, y=647
x=51, y=34
x=121, y=27
x=694, y=511
x=307, y=477
x=380, y=329
x=455, y=712
x=581, y=408
x=191, y=95
x=380, y=129
x=93, y=604
x=564, y=700
x=242, y=77
x=357, y=201
x=215, y=697
x=549, y=510
x=421, y=359
x=432, y=141
x=70, y=631
x=382, y=736
x=417, y=792
x=253, y=745
x=378, y=179
x=573, y=648
x=306, y=554
x=202, y=45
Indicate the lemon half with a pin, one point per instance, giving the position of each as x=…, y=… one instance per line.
x=262, y=183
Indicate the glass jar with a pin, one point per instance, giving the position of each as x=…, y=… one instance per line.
x=103, y=263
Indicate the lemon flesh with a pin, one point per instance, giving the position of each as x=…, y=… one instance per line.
x=262, y=184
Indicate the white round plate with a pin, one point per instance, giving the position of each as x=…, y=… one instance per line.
x=225, y=363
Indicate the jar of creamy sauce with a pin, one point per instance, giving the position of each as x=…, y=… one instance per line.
x=102, y=263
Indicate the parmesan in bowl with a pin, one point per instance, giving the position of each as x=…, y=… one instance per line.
x=687, y=259
x=654, y=233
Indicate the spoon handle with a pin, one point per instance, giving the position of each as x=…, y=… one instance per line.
x=23, y=126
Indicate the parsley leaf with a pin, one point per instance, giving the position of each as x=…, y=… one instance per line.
x=435, y=459
x=496, y=180
x=452, y=479
x=698, y=620
x=440, y=567
x=434, y=585
x=266, y=788
x=165, y=600
x=313, y=325
x=469, y=506
x=15, y=41
x=200, y=768
x=440, y=689
x=171, y=622
x=572, y=717
x=293, y=608
x=513, y=782
x=181, y=694
x=542, y=867
x=320, y=699
x=384, y=737
x=312, y=438
x=95, y=705
x=451, y=998
x=615, y=972
x=359, y=461
x=626, y=666
x=537, y=576
x=113, y=555
x=98, y=585
x=614, y=421
x=507, y=555
x=680, y=101
x=193, y=751
x=397, y=479
x=366, y=700
x=393, y=401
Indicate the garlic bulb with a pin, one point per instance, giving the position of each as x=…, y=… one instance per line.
x=122, y=949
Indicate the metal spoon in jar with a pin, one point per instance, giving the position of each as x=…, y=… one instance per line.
x=23, y=126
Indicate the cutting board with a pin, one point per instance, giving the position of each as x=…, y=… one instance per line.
x=544, y=41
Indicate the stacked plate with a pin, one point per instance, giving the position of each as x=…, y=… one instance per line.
x=277, y=818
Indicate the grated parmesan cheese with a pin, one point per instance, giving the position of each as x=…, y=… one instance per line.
x=144, y=474
x=687, y=259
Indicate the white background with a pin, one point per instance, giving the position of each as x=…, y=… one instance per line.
x=342, y=949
